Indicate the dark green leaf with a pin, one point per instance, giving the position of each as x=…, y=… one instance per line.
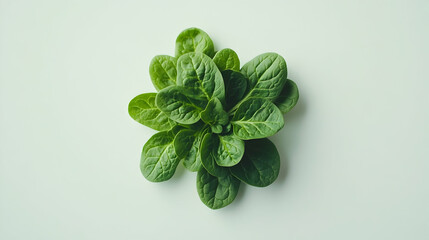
x=219, y=151
x=186, y=144
x=159, y=160
x=194, y=40
x=288, y=97
x=216, y=128
x=143, y=109
x=229, y=151
x=260, y=164
x=227, y=59
x=214, y=114
x=209, y=154
x=163, y=72
x=199, y=72
x=180, y=104
x=216, y=192
x=235, y=87
x=267, y=73
x=257, y=118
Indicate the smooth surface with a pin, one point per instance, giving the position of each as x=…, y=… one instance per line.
x=354, y=151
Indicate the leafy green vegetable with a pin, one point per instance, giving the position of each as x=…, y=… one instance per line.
x=230, y=150
x=163, y=71
x=257, y=118
x=186, y=145
x=214, y=117
x=194, y=40
x=216, y=192
x=159, y=160
x=288, y=97
x=260, y=165
x=198, y=72
x=227, y=59
x=267, y=73
x=180, y=104
x=210, y=155
x=143, y=109
x=235, y=87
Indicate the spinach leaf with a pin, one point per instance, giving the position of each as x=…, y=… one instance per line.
x=288, y=97
x=260, y=164
x=180, y=104
x=194, y=40
x=230, y=150
x=216, y=192
x=159, y=160
x=198, y=143
x=219, y=151
x=199, y=72
x=143, y=109
x=209, y=154
x=267, y=73
x=227, y=59
x=186, y=145
x=214, y=115
x=257, y=118
x=163, y=71
x=235, y=87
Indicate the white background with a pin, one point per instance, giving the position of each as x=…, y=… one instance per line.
x=354, y=151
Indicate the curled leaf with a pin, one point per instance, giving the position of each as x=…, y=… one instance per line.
x=194, y=40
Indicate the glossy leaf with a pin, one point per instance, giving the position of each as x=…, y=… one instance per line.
x=229, y=151
x=267, y=73
x=227, y=59
x=163, y=71
x=159, y=160
x=257, y=118
x=143, y=109
x=219, y=151
x=180, y=104
x=194, y=40
x=186, y=144
x=235, y=87
x=260, y=164
x=216, y=128
x=288, y=97
x=216, y=192
x=214, y=114
x=209, y=154
x=199, y=72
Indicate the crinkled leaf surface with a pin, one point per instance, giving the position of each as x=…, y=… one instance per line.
x=288, y=97
x=260, y=164
x=159, y=160
x=194, y=40
x=186, y=144
x=209, y=154
x=143, y=109
x=199, y=72
x=214, y=114
x=180, y=104
x=216, y=128
x=216, y=192
x=227, y=59
x=230, y=150
x=235, y=87
x=163, y=71
x=220, y=151
x=257, y=118
x=267, y=73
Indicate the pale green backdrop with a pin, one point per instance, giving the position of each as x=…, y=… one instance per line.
x=355, y=150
